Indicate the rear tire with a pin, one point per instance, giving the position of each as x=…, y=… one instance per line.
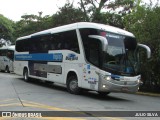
x=25, y=75
x=72, y=85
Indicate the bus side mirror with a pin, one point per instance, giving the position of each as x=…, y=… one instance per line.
x=147, y=49
x=102, y=39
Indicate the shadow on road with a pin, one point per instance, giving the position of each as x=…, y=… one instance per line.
x=109, y=97
x=89, y=94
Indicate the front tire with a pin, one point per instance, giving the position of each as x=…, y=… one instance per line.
x=72, y=85
x=7, y=69
x=25, y=75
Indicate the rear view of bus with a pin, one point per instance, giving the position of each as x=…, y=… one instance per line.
x=7, y=58
x=83, y=55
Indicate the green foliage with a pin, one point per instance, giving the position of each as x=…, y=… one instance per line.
x=107, y=11
x=31, y=23
x=144, y=23
x=68, y=14
x=89, y=10
x=6, y=28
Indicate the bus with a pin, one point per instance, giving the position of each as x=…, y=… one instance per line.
x=82, y=56
x=7, y=58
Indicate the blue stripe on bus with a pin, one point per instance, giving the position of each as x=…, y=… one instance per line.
x=115, y=77
x=40, y=57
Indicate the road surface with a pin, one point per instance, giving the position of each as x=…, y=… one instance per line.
x=18, y=95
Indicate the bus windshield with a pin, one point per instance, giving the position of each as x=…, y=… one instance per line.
x=120, y=57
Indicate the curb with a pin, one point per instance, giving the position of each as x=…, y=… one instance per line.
x=148, y=94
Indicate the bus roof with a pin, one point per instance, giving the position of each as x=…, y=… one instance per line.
x=12, y=47
x=80, y=25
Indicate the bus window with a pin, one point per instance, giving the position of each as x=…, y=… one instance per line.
x=91, y=46
x=66, y=40
x=10, y=54
x=3, y=52
x=94, y=51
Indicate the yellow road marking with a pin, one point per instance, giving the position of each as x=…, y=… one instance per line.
x=42, y=106
x=7, y=100
x=114, y=118
x=38, y=105
x=11, y=104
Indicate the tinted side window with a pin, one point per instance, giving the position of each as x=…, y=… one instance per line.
x=34, y=44
x=71, y=41
x=92, y=47
x=0, y=52
x=22, y=45
x=58, y=41
x=66, y=40
x=93, y=51
x=10, y=54
x=40, y=43
x=3, y=52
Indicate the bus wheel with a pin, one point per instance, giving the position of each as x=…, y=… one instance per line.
x=7, y=69
x=25, y=75
x=103, y=94
x=72, y=85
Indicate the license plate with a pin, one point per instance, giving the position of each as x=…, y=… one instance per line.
x=125, y=89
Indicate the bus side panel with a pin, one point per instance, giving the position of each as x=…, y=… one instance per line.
x=5, y=61
x=56, y=72
x=87, y=77
x=2, y=62
x=19, y=66
x=9, y=63
x=11, y=66
x=90, y=77
x=37, y=68
x=7, y=57
x=86, y=74
x=10, y=56
x=70, y=67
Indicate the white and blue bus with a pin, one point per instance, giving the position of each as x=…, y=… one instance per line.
x=82, y=55
x=7, y=58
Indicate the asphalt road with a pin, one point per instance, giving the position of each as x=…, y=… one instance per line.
x=18, y=95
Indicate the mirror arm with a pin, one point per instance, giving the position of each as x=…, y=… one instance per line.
x=102, y=39
x=147, y=48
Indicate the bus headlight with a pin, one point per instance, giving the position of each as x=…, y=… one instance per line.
x=107, y=77
x=104, y=86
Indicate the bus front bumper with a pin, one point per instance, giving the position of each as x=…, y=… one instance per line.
x=118, y=86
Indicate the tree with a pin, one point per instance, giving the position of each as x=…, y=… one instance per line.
x=31, y=23
x=6, y=28
x=67, y=14
x=144, y=23
x=34, y=23
x=106, y=11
